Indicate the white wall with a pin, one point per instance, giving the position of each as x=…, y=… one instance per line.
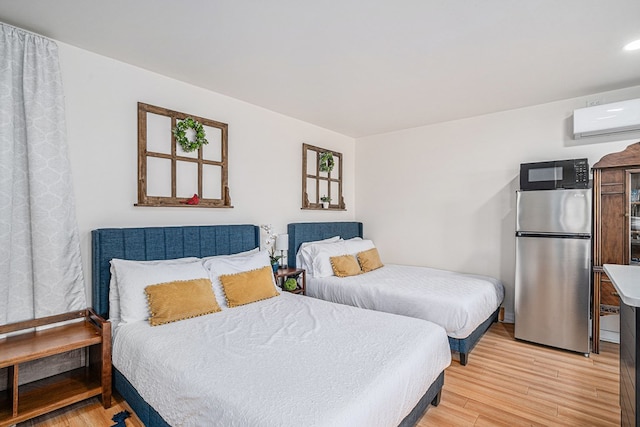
x=441, y=195
x=265, y=151
x=444, y=195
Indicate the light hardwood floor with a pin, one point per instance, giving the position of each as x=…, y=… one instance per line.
x=88, y=413
x=506, y=383
x=514, y=383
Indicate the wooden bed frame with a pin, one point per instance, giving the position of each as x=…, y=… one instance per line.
x=158, y=243
x=312, y=231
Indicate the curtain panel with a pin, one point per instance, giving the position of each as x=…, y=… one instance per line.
x=40, y=261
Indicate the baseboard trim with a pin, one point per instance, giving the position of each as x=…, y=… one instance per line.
x=610, y=336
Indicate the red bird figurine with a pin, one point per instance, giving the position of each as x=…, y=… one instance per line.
x=192, y=201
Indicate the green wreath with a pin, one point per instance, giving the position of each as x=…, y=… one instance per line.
x=180, y=132
x=326, y=161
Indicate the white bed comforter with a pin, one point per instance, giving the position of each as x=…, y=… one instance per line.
x=285, y=361
x=457, y=302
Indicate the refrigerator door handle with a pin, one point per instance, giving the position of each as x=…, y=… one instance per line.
x=552, y=235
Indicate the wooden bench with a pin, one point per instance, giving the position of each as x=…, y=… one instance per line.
x=89, y=331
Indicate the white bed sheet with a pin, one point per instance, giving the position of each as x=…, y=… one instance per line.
x=457, y=302
x=286, y=361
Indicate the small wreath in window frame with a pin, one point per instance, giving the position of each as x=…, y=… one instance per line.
x=180, y=132
x=326, y=161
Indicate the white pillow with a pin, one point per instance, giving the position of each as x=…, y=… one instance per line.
x=320, y=258
x=114, y=294
x=315, y=242
x=218, y=266
x=132, y=278
x=249, y=252
x=321, y=254
x=303, y=257
x=357, y=244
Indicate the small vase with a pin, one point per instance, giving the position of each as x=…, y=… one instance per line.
x=325, y=205
x=275, y=267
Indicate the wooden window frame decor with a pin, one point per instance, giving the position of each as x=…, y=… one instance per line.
x=175, y=157
x=321, y=179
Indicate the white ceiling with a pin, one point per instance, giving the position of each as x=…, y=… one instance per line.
x=360, y=67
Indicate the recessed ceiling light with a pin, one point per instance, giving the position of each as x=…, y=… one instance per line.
x=634, y=45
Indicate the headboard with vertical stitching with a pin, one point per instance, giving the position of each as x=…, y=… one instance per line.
x=310, y=231
x=156, y=243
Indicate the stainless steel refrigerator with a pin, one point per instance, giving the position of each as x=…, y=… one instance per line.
x=553, y=268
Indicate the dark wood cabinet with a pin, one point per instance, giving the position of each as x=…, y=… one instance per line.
x=616, y=185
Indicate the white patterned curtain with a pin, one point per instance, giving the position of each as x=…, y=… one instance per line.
x=40, y=263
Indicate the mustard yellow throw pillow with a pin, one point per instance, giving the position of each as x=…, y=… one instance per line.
x=179, y=300
x=369, y=260
x=248, y=286
x=345, y=265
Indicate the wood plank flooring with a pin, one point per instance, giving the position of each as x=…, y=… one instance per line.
x=506, y=383
x=514, y=383
x=89, y=413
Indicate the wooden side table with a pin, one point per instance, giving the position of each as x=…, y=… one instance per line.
x=300, y=274
x=24, y=401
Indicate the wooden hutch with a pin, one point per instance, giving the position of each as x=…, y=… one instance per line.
x=616, y=226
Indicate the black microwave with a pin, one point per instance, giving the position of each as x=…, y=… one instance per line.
x=554, y=175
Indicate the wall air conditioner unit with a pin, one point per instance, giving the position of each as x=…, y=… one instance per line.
x=607, y=119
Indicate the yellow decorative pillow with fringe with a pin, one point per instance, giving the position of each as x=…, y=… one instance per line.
x=345, y=265
x=369, y=260
x=179, y=300
x=248, y=286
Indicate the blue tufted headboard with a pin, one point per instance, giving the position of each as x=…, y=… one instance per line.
x=310, y=231
x=155, y=243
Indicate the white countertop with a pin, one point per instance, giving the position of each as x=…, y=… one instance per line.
x=626, y=280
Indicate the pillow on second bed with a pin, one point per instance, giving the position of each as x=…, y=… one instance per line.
x=304, y=257
x=321, y=255
x=345, y=265
x=369, y=260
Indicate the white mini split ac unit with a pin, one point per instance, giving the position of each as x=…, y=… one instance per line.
x=607, y=119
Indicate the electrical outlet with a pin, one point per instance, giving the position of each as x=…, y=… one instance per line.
x=593, y=102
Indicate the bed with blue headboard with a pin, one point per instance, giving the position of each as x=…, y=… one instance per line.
x=157, y=243
x=168, y=243
x=300, y=233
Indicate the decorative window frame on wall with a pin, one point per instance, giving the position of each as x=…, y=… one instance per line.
x=205, y=160
x=317, y=182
